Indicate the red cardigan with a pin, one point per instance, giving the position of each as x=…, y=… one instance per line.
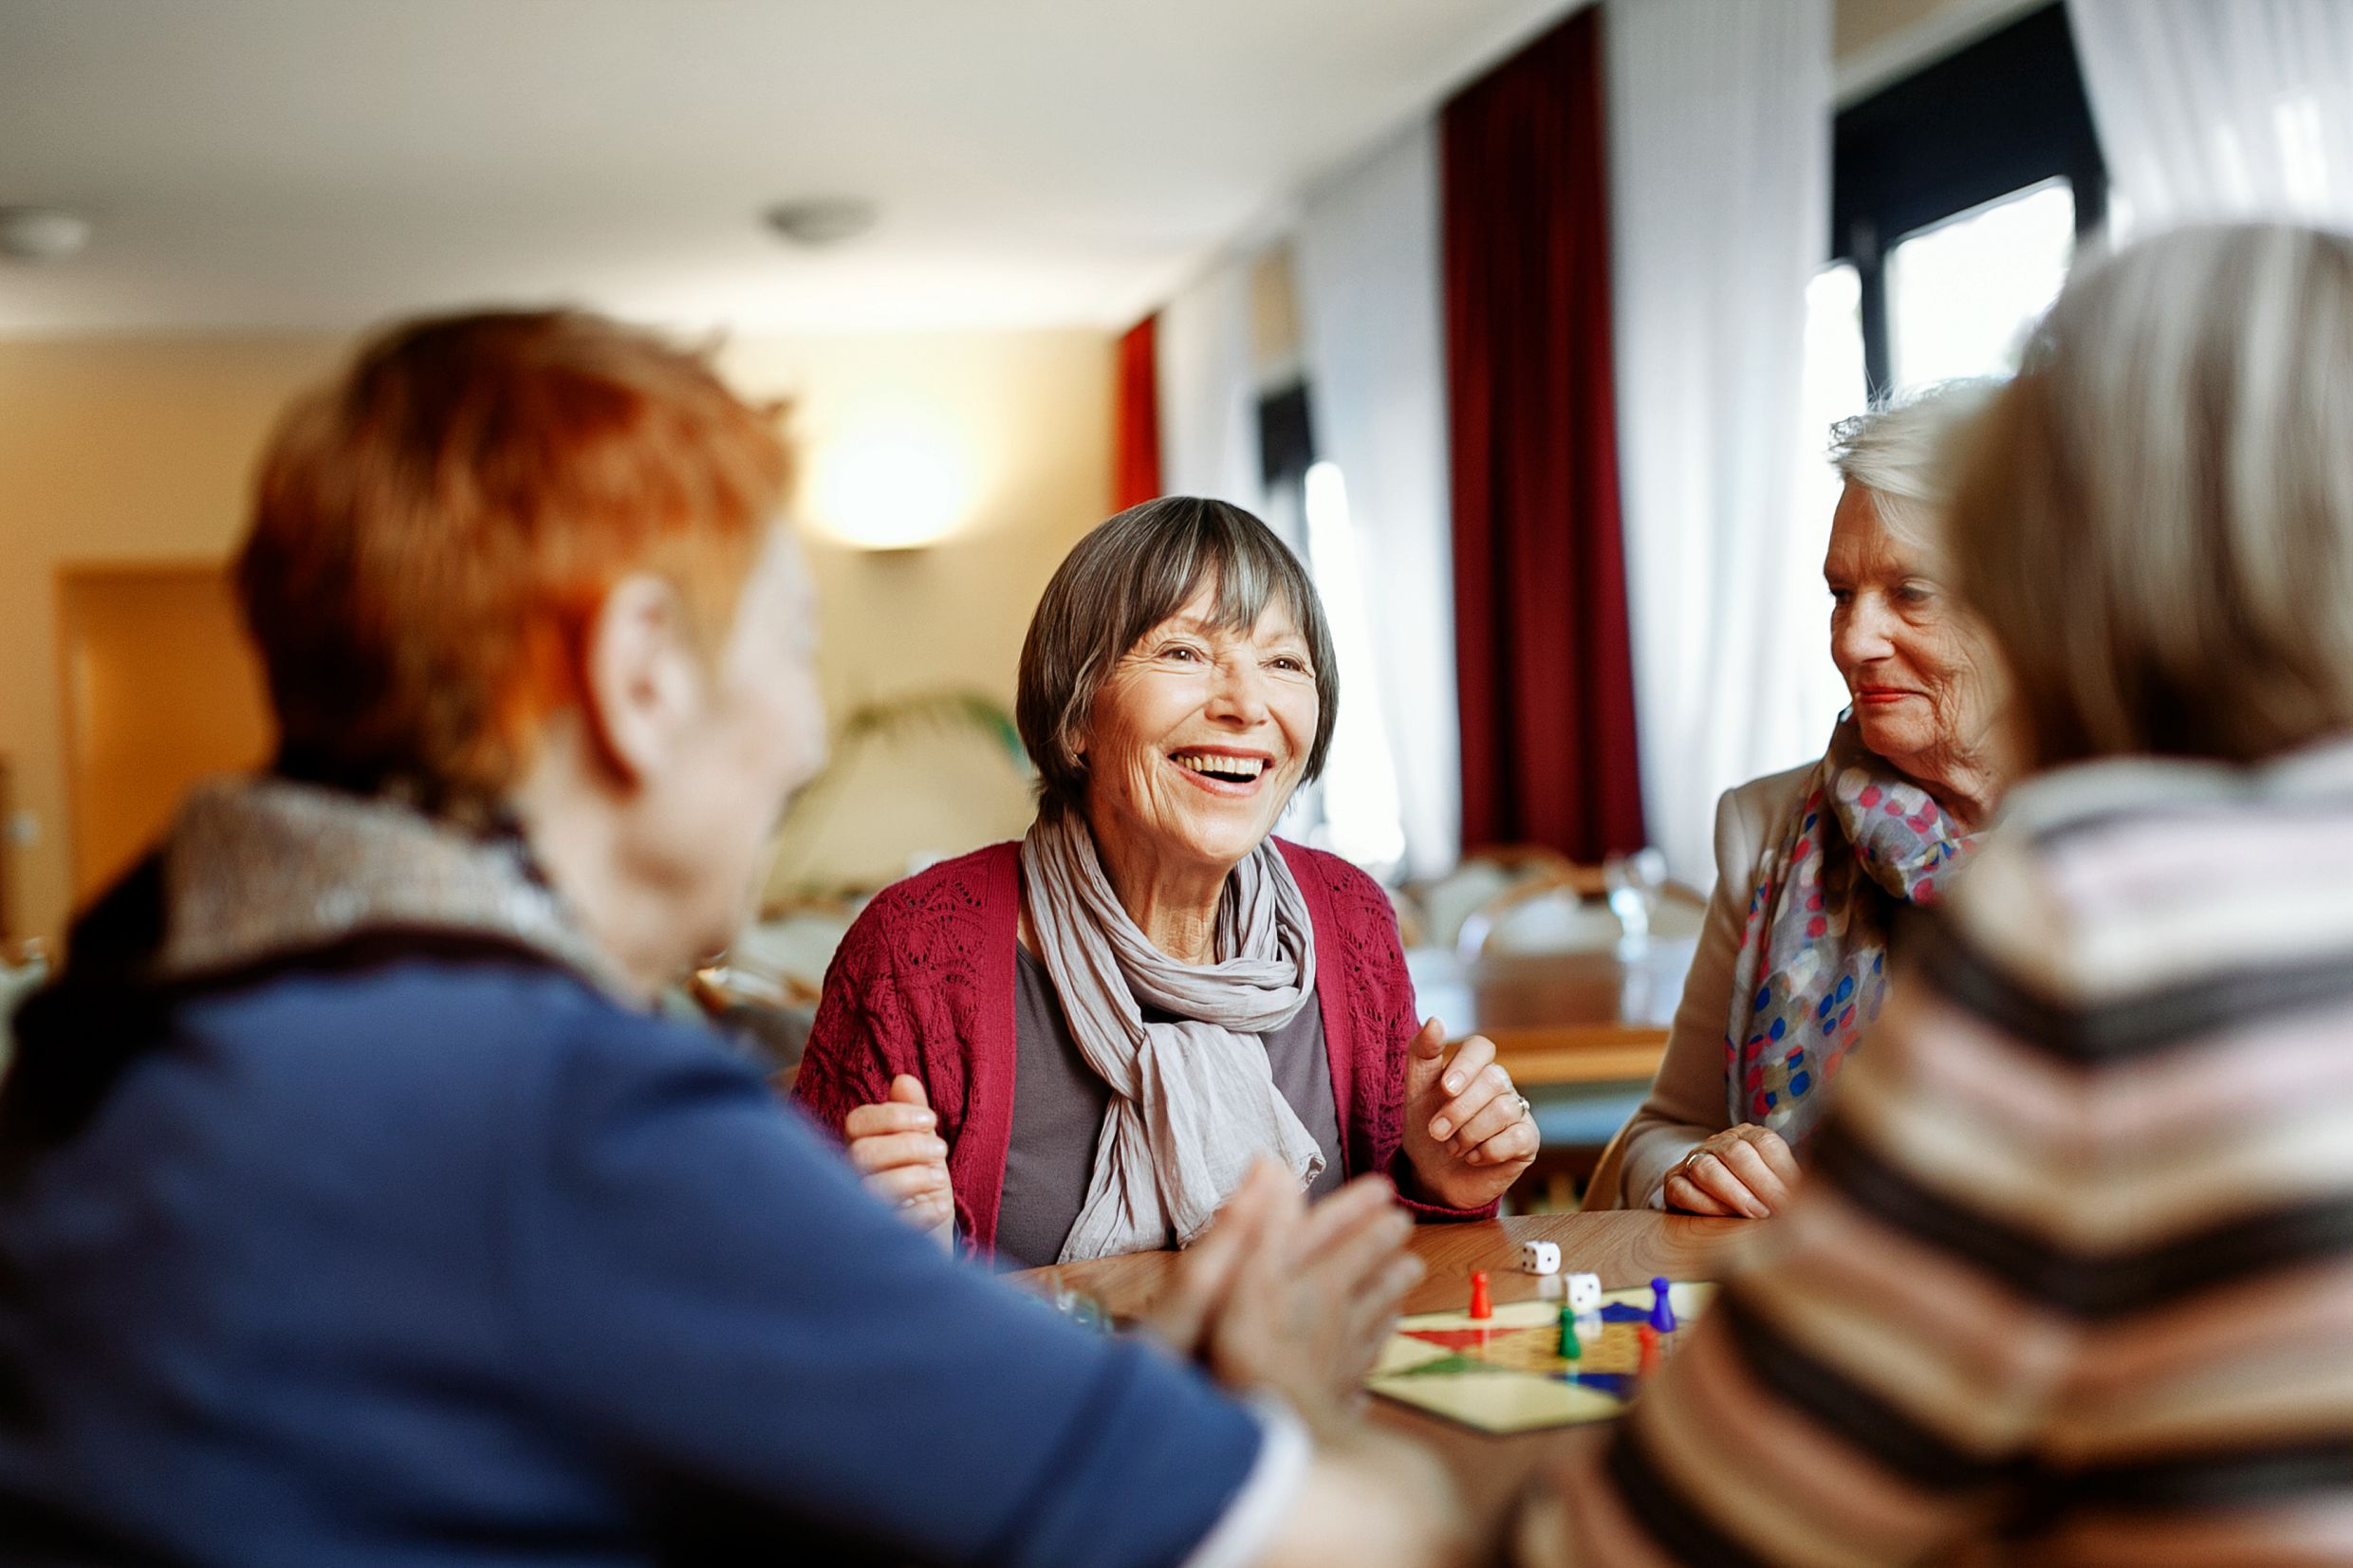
x=923, y=984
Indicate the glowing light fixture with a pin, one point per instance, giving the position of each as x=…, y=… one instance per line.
x=890, y=483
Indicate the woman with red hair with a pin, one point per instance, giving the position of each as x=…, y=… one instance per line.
x=353, y=1207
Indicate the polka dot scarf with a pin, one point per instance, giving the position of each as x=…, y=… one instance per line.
x=1811, y=971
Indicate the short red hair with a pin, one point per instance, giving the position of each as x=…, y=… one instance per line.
x=432, y=533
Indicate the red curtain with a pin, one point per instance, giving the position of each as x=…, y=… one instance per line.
x=1135, y=431
x=1544, y=661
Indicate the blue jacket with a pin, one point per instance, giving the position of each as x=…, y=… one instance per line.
x=427, y=1253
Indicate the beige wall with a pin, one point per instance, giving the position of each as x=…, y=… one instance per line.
x=110, y=451
x=1025, y=423
x=1858, y=24
x=1880, y=41
x=162, y=689
x=138, y=452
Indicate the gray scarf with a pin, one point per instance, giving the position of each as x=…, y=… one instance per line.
x=1193, y=1100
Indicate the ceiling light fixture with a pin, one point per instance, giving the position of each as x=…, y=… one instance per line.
x=818, y=222
x=42, y=233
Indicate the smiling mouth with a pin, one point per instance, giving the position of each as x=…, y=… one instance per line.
x=1221, y=772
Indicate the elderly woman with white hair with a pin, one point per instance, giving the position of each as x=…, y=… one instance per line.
x=1814, y=864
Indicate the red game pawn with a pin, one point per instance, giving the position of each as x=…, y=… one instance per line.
x=1647, y=1338
x=1480, y=1306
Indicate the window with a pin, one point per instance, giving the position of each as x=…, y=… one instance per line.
x=1353, y=810
x=1359, y=795
x=1958, y=196
x=1963, y=294
x=1833, y=390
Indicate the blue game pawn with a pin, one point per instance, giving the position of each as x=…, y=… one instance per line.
x=1662, y=1309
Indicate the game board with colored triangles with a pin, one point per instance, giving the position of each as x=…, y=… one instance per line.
x=1504, y=1374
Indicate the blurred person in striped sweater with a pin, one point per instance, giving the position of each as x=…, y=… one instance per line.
x=2071, y=1277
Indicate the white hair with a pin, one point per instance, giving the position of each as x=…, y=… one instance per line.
x=1907, y=454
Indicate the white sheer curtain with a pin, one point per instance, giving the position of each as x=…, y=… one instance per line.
x=2220, y=108
x=1719, y=143
x=1367, y=255
x=1209, y=394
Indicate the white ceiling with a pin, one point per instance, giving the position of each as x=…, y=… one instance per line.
x=289, y=164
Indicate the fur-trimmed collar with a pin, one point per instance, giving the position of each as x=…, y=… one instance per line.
x=256, y=868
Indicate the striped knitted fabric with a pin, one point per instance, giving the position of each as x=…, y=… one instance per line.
x=2070, y=1280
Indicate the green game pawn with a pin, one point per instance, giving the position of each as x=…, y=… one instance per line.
x=1572, y=1350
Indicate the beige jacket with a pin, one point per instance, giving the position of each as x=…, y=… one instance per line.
x=1687, y=1102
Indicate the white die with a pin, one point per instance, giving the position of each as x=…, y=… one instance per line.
x=1540, y=1257
x=1584, y=1292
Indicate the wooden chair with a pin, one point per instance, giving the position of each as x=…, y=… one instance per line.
x=1608, y=1171
x=1582, y=920
x=764, y=989
x=1445, y=902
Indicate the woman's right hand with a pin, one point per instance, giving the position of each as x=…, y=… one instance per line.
x=895, y=1146
x=1745, y=1172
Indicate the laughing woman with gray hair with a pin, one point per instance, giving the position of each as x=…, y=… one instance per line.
x=1075, y=1047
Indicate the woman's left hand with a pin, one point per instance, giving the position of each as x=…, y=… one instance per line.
x=1468, y=1132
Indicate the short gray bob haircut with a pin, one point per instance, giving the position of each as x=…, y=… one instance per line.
x=1906, y=455
x=1129, y=574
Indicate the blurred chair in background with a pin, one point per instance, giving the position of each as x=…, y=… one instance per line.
x=1580, y=909
x=1447, y=901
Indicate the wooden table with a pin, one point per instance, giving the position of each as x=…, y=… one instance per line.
x=1626, y=1249
x=1561, y=1019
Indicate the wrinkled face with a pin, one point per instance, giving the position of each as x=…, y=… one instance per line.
x=759, y=736
x=1915, y=663
x=1198, y=735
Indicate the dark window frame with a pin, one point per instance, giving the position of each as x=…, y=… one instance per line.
x=2005, y=113
x=1285, y=436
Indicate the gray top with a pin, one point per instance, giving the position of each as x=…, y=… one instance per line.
x=1059, y=1105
